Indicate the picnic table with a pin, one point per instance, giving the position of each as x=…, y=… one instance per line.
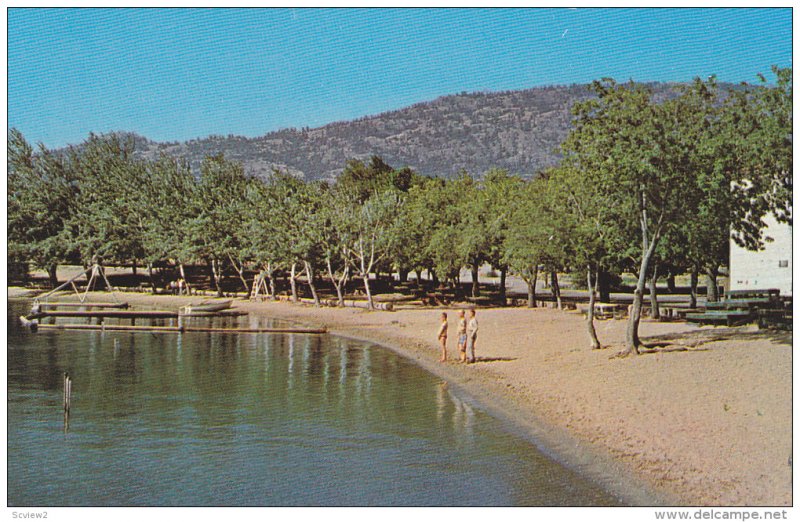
x=772, y=293
x=604, y=310
x=728, y=317
x=677, y=311
x=435, y=298
x=741, y=307
x=781, y=319
x=739, y=304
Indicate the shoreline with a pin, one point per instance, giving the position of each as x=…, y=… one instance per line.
x=542, y=381
x=550, y=440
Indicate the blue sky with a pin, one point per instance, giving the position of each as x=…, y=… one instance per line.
x=177, y=74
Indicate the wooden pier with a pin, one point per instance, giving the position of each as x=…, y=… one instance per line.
x=179, y=329
x=32, y=322
x=80, y=305
x=117, y=314
x=132, y=314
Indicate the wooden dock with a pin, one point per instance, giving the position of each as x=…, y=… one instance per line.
x=132, y=314
x=180, y=329
x=33, y=324
x=81, y=305
x=117, y=314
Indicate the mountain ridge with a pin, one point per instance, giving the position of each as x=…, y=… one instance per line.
x=516, y=130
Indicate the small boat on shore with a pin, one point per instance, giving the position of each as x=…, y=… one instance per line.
x=206, y=307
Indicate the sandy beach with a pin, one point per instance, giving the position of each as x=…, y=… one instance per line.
x=705, y=419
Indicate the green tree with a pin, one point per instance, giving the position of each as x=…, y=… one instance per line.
x=368, y=227
x=500, y=190
x=168, y=206
x=472, y=237
x=529, y=241
x=42, y=193
x=625, y=144
x=107, y=225
x=217, y=227
x=335, y=233
x=263, y=238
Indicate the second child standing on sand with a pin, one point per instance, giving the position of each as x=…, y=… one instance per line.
x=472, y=335
x=442, y=336
x=462, y=336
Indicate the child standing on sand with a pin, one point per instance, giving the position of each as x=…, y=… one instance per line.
x=442, y=336
x=472, y=334
x=462, y=336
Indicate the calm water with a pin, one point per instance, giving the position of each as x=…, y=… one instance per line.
x=201, y=419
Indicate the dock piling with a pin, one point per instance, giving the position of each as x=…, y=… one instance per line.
x=67, y=392
x=67, y=400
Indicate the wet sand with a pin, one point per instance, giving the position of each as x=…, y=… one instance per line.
x=705, y=419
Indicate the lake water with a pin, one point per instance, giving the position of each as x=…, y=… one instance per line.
x=255, y=420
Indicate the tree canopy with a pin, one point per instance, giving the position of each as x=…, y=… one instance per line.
x=653, y=185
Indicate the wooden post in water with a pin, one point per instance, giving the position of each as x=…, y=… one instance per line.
x=67, y=392
x=67, y=399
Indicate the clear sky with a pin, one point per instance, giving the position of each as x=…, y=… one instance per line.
x=177, y=74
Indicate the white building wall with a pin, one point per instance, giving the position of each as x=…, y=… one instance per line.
x=768, y=268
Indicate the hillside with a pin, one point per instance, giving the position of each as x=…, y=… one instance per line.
x=516, y=130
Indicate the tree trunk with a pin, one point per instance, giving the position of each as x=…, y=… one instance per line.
x=310, y=276
x=712, y=292
x=183, y=276
x=402, y=275
x=239, y=267
x=476, y=291
x=503, y=272
x=594, y=342
x=370, y=304
x=272, y=283
x=337, y=284
x=632, y=341
x=434, y=277
x=604, y=286
x=419, y=277
x=52, y=275
x=293, y=282
x=532, y=287
x=365, y=271
x=150, y=275
x=693, y=288
x=654, y=312
x=133, y=269
x=671, y=283
x=217, y=271
x=554, y=288
x=531, y=293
